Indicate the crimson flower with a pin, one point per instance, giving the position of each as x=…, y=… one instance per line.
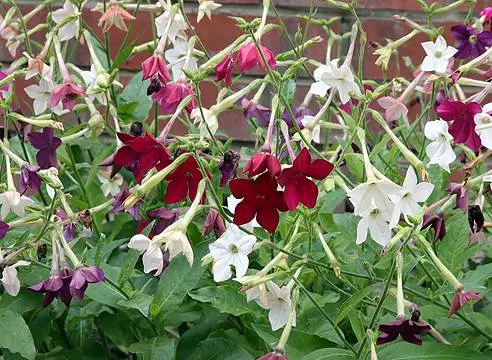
x=4, y=227
x=155, y=67
x=140, y=154
x=437, y=222
x=463, y=126
x=183, y=182
x=406, y=328
x=298, y=188
x=67, y=93
x=223, y=70
x=471, y=42
x=249, y=56
x=460, y=299
x=171, y=95
x=56, y=286
x=47, y=144
x=262, y=162
x=261, y=198
x=82, y=277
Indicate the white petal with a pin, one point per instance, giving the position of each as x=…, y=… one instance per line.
x=429, y=48
x=410, y=181
x=240, y=263
x=221, y=271
x=152, y=259
x=139, y=242
x=423, y=191
x=10, y=281
x=319, y=88
x=380, y=231
x=362, y=231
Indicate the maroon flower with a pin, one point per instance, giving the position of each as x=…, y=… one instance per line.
x=140, y=154
x=252, y=109
x=68, y=229
x=223, y=70
x=155, y=67
x=183, y=182
x=67, y=93
x=437, y=222
x=262, y=162
x=57, y=286
x=274, y=355
x=213, y=222
x=461, y=195
x=120, y=198
x=82, y=277
x=471, y=42
x=47, y=144
x=407, y=329
x=228, y=166
x=463, y=126
x=261, y=198
x=4, y=227
x=29, y=178
x=461, y=298
x=475, y=218
x=298, y=188
x=163, y=217
x=171, y=95
x=249, y=56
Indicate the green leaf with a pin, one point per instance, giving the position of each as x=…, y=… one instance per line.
x=288, y=90
x=350, y=304
x=355, y=164
x=141, y=302
x=179, y=279
x=357, y=325
x=131, y=258
x=136, y=91
x=331, y=200
x=15, y=335
x=405, y=351
x=158, y=348
x=219, y=349
x=122, y=57
x=476, y=279
x=330, y=354
x=225, y=298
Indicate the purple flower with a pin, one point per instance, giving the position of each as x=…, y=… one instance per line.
x=69, y=228
x=407, y=329
x=213, y=222
x=274, y=355
x=461, y=195
x=228, y=166
x=164, y=217
x=29, y=179
x=299, y=113
x=47, y=144
x=461, y=298
x=82, y=277
x=57, y=286
x=118, y=201
x=471, y=42
x=254, y=110
x=4, y=227
x=437, y=222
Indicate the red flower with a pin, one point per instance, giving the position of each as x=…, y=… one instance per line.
x=261, y=162
x=223, y=70
x=463, y=126
x=298, y=188
x=408, y=329
x=260, y=198
x=249, y=56
x=140, y=154
x=461, y=298
x=183, y=181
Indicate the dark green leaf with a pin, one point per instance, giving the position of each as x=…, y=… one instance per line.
x=219, y=349
x=15, y=335
x=158, y=348
x=330, y=354
x=405, y=351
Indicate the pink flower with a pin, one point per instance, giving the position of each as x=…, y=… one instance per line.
x=461, y=298
x=274, y=355
x=223, y=70
x=67, y=93
x=171, y=95
x=249, y=57
x=155, y=67
x=114, y=15
x=463, y=126
x=213, y=222
x=394, y=108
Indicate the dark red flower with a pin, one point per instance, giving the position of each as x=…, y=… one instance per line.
x=437, y=222
x=140, y=154
x=471, y=42
x=47, y=143
x=461, y=195
x=57, y=286
x=223, y=70
x=4, y=227
x=298, y=188
x=29, y=178
x=155, y=67
x=461, y=298
x=249, y=56
x=407, y=329
x=262, y=162
x=164, y=217
x=82, y=277
x=213, y=222
x=183, y=182
x=171, y=95
x=228, y=166
x=120, y=198
x=475, y=218
x=274, y=355
x=261, y=198
x=463, y=126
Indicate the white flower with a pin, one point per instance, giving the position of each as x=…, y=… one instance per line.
x=153, y=258
x=231, y=206
x=90, y=80
x=178, y=59
x=175, y=241
x=438, y=55
x=373, y=192
x=311, y=130
x=110, y=186
x=207, y=127
x=12, y=201
x=485, y=118
x=375, y=220
x=30, y=73
x=259, y=294
x=71, y=29
x=41, y=95
x=177, y=28
x=439, y=150
x=9, y=279
x=339, y=79
x=206, y=7
x=231, y=249
x=279, y=304
x=406, y=202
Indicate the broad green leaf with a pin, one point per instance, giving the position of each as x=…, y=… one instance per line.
x=352, y=302
x=476, y=279
x=330, y=354
x=355, y=164
x=15, y=335
x=136, y=90
x=331, y=200
x=158, y=348
x=225, y=298
x=406, y=351
x=357, y=325
x=141, y=302
x=131, y=258
x=219, y=349
x=288, y=90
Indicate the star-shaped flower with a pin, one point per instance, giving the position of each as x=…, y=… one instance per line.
x=439, y=150
x=438, y=55
x=70, y=29
x=206, y=7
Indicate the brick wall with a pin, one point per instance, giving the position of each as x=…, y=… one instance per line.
x=376, y=16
